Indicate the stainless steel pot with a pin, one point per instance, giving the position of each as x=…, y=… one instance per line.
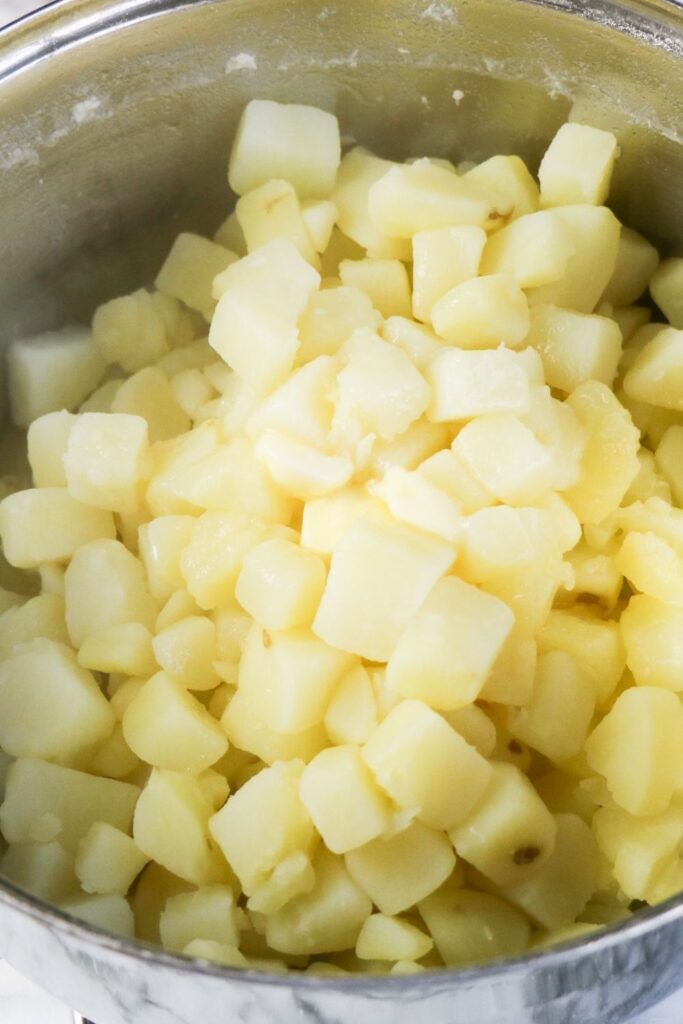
x=116, y=121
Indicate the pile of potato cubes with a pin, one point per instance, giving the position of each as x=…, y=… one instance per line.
x=342, y=619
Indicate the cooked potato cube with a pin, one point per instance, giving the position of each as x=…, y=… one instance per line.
x=326, y=520
x=442, y=259
x=610, y=461
x=327, y=919
x=115, y=759
x=52, y=371
x=577, y=166
x=470, y=926
x=149, y=395
x=161, y=544
x=501, y=540
x=247, y=731
x=302, y=407
x=669, y=460
x=108, y=861
x=512, y=676
x=666, y=287
x=187, y=650
x=285, y=140
x=657, y=375
x=379, y=576
x=505, y=456
x=532, y=250
x=384, y=281
x=483, y=312
x=447, y=471
x=595, y=643
x=46, y=524
x=110, y=913
x=637, y=261
x=179, y=605
x=652, y=566
x=208, y=914
x=415, y=756
x=556, y=719
x=263, y=823
x=47, y=440
x=107, y=459
x=652, y=633
x=292, y=877
x=171, y=827
x=131, y=331
x=596, y=577
x=467, y=384
x=273, y=211
x=398, y=871
x=320, y=217
x=331, y=317
x=40, y=618
x=280, y=584
x=45, y=870
x=391, y=938
x=168, y=728
x=574, y=347
x=211, y=562
x=643, y=851
x=414, y=500
x=41, y=796
x=508, y=179
x=510, y=832
x=448, y=648
x=189, y=270
x=300, y=470
x=635, y=747
x=346, y=805
x=358, y=172
x=124, y=647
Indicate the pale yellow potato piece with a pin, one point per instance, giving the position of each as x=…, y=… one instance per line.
x=574, y=347
x=412, y=499
x=292, y=877
x=506, y=457
x=168, y=728
x=149, y=395
x=594, y=642
x=249, y=732
x=669, y=459
x=501, y=540
x=466, y=384
x=406, y=450
x=351, y=714
x=110, y=913
x=320, y=217
x=398, y=871
x=270, y=211
x=179, y=605
x=510, y=832
x=657, y=375
x=358, y=172
x=187, y=650
x=302, y=407
x=47, y=438
x=161, y=543
x=330, y=317
x=652, y=632
x=124, y=647
x=482, y=313
x=108, y=861
x=577, y=166
x=469, y=926
x=379, y=576
x=508, y=179
x=215, y=952
x=533, y=249
x=207, y=915
x=643, y=851
x=42, y=797
x=637, y=261
x=299, y=469
x=192, y=391
x=107, y=460
x=189, y=270
x=40, y=618
x=635, y=748
x=448, y=472
x=46, y=870
x=442, y=259
x=652, y=567
x=131, y=331
x=413, y=753
x=511, y=679
x=448, y=648
x=52, y=371
x=171, y=827
x=285, y=140
x=326, y=520
x=115, y=759
x=596, y=576
x=666, y=288
x=46, y=524
x=328, y=919
x=391, y=938
x=384, y=281
x=211, y=562
x=263, y=823
x=418, y=341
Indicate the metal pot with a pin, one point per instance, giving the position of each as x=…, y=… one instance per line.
x=116, y=121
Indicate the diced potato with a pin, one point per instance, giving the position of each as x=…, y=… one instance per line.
x=501, y=540
x=637, y=261
x=47, y=525
x=247, y=731
x=595, y=643
x=320, y=217
x=39, y=795
x=642, y=850
x=45, y=870
x=510, y=832
x=653, y=567
x=189, y=270
x=215, y=952
x=669, y=460
x=263, y=823
x=211, y=562
x=483, y=312
x=596, y=576
x=448, y=648
x=384, y=281
x=104, y=585
x=273, y=211
x=47, y=440
x=110, y=913
x=208, y=914
x=391, y=938
x=171, y=827
x=280, y=584
x=413, y=753
x=192, y=391
x=358, y=172
x=285, y=140
x=178, y=606
x=149, y=395
x=152, y=889
x=666, y=287
x=556, y=719
x=575, y=347
x=467, y=384
x=635, y=747
x=124, y=647
x=656, y=375
x=407, y=450
x=577, y=166
x=505, y=456
x=300, y=470
x=610, y=461
x=108, y=861
x=292, y=877
x=510, y=181
x=418, y=341
x=52, y=371
x=289, y=678
x=331, y=317
x=326, y=520
x=398, y=871
x=442, y=259
x=107, y=459
x=115, y=759
x=168, y=728
x=302, y=407
x=533, y=250
x=40, y=618
x=379, y=576
x=447, y=471
x=187, y=650
x=195, y=355
x=475, y=726
x=469, y=926
x=327, y=919
x=420, y=196
x=161, y=544
x=131, y=331
x=652, y=631
x=414, y=500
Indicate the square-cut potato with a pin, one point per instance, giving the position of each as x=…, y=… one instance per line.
x=384, y=281
x=351, y=714
x=652, y=634
x=533, y=249
x=44, y=869
x=666, y=287
x=208, y=914
x=483, y=312
x=506, y=457
x=467, y=384
x=270, y=211
x=281, y=584
x=189, y=270
x=187, y=650
x=656, y=376
x=442, y=259
x=577, y=166
x=107, y=460
x=46, y=524
x=47, y=440
x=574, y=347
x=391, y=938
x=331, y=316
x=509, y=180
x=108, y=861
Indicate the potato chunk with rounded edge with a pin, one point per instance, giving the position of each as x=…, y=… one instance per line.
x=637, y=261
x=506, y=457
x=574, y=347
x=331, y=316
x=208, y=914
x=149, y=394
x=124, y=647
x=189, y=271
x=351, y=713
x=247, y=731
x=300, y=470
x=107, y=460
x=533, y=249
x=652, y=630
x=509, y=180
x=577, y=166
x=187, y=650
x=483, y=313
x=426, y=766
x=292, y=877
x=666, y=288
x=379, y=576
x=442, y=259
x=272, y=210
x=470, y=926
x=110, y=913
x=391, y=938
x=342, y=798
x=467, y=384
x=594, y=642
x=47, y=438
x=398, y=871
x=447, y=650
x=108, y=861
x=510, y=832
x=657, y=373
x=302, y=407
x=161, y=543
x=636, y=748
x=652, y=567
x=46, y=524
x=263, y=823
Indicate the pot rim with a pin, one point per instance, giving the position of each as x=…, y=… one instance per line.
x=61, y=24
